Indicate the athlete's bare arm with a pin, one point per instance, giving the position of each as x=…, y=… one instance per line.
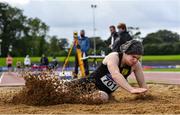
x=139, y=75
x=112, y=61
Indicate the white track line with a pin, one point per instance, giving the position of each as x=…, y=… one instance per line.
x=1, y=77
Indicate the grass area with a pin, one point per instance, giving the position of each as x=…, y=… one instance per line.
x=162, y=58
x=165, y=69
x=37, y=60
x=33, y=60
x=71, y=59
x=15, y=59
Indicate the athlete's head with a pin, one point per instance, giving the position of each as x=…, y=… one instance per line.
x=133, y=50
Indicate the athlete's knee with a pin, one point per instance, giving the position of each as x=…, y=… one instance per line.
x=104, y=96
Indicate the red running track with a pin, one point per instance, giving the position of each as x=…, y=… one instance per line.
x=12, y=79
x=161, y=77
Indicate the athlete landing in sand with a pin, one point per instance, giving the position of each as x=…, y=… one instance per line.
x=114, y=70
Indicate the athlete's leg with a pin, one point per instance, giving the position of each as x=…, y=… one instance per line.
x=86, y=91
x=97, y=97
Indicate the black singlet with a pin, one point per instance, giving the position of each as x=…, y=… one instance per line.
x=103, y=79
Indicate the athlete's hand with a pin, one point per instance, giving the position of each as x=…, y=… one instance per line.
x=138, y=90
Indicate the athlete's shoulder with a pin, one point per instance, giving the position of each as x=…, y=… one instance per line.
x=113, y=54
x=111, y=57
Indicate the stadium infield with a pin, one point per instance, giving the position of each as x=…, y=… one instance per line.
x=162, y=97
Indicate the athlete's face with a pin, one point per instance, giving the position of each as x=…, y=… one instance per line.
x=131, y=59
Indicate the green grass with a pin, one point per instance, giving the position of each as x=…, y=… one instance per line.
x=71, y=59
x=33, y=60
x=37, y=60
x=162, y=58
x=165, y=69
x=15, y=59
x=144, y=58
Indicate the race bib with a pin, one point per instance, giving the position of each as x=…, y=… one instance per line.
x=109, y=83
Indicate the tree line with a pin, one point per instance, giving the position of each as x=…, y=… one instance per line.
x=162, y=42
x=21, y=35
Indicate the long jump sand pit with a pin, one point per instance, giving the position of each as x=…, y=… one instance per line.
x=161, y=98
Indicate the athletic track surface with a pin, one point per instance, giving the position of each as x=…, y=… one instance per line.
x=12, y=79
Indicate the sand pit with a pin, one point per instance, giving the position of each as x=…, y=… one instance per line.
x=160, y=99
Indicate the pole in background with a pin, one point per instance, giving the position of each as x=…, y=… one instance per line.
x=93, y=6
x=0, y=47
